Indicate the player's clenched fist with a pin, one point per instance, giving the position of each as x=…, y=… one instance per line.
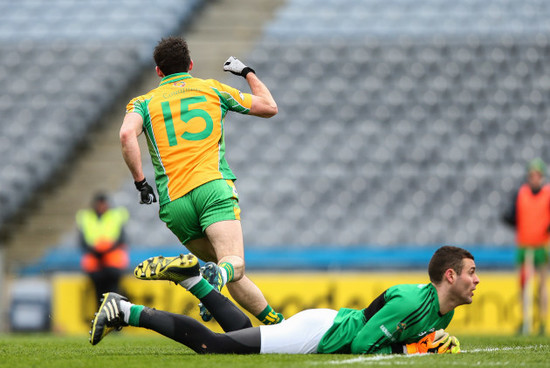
x=146, y=193
x=237, y=67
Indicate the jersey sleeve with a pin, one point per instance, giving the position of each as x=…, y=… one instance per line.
x=381, y=333
x=137, y=105
x=231, y=98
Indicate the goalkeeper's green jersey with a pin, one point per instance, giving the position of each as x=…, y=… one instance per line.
x=401, y=315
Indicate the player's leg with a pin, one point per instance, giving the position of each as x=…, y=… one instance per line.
x=188, y=217
x=525, y=260
x=225, y=240
x=244, y=291
x=217, y=202
x=543, y=299
x=185, y=271
x=541, y=263
x=97, y=281
x=198, y=337
x=117, y=312
x=251, y=298
x=111, y=279
x=182, y=218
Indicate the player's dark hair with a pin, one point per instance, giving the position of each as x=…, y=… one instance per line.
x=172, y=55
x=444, y=258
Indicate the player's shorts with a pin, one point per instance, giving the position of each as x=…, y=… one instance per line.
x=300, y=334
x=189, y=216
x=540, y=255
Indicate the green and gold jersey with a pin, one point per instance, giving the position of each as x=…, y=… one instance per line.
x=183, y=121
x=401, y=315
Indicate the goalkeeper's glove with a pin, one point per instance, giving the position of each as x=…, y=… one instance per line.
x=236, y=67
x=146, y=193
x=438, y=342
x=454, y=347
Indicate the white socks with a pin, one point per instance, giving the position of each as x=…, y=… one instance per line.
x=125, y=308
x=194, y=280
x=190, y=282
x=223, y=271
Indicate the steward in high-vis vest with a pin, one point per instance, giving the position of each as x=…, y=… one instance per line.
x=530, y=216
x=103, y=242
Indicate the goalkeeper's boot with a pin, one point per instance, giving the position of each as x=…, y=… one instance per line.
x=175, y=269
x=211, y=272
x=108, y=318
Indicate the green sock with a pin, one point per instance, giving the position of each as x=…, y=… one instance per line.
x=201, y=289
x=228, y=267
x=269, y=316
x=135, y=312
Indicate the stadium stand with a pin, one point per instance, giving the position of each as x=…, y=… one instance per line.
x=61, y=65
x=400, y=124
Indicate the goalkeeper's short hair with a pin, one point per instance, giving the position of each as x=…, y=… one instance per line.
x=444, y=258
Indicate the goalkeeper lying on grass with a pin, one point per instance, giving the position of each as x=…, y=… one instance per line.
x=405, y=319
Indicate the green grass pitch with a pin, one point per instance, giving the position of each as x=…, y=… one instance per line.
x=157, y=352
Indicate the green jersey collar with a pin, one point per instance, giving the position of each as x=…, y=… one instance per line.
x=174, y=78
x=432, y=286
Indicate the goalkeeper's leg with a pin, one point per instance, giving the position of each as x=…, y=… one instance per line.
x=198, y=337
x=242, y=340
x=117, y=312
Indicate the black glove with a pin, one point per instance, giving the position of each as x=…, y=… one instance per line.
x=146, y=193
x=236, y=67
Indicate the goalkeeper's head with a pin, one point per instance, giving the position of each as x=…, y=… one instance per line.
x=447, y=257
x=172, y=56
x=452, y=271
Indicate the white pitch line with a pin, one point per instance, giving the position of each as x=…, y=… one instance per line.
x=506, y=348
x=369, y=358
x=374, y=358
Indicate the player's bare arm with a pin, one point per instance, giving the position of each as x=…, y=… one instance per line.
x=132, y=127
x=130, y=130
x=263, y=104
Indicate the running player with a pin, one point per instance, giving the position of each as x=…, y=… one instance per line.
x=405, y=319
x=183, y=122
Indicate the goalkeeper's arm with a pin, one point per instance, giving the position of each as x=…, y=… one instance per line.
x=437, y=342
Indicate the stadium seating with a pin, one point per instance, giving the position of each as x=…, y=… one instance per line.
x=355, y=19
x=61, y=65
x=400, y=123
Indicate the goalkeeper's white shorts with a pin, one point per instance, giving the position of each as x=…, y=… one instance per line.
x=300, y=334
